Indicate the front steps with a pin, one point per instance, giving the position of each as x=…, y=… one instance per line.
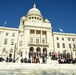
x=37, y=69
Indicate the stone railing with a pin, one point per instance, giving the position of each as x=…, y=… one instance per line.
x=38, y=44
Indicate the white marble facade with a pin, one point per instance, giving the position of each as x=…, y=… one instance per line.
x=34, y=35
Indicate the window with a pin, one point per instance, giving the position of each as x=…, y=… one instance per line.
x=63, y=45
x=11, y=50
x=69, y=45
x=31, y=40
x=58, y=45
x=43, y=41
x=12, y=42
x=4, y=49
x=5, y=41
x=68, y=39
x=32, y=17
x=6, y=34
x=31, y=31
x=22, y=22
x=57, y=38
x=20, y=43
x=37, y=32
x=29, y=17
x=37, y=40
x=73, y=39
x=73, y=45
x=13, y=34
x=21, y=35
x=38, y=18
x=62, y=38
x=43, y=32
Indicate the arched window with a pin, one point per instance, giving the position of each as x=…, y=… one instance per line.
x=35, y=17
x=38, y=51
x=32, y=17
x=45, y=49
x=29, y=17
x=31, y=51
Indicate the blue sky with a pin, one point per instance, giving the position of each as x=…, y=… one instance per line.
x=61, y=13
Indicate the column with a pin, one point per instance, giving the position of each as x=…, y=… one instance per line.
x=41, y=49
x=41, y=37
x=25, y=52
x=46, y=36
x=35, y=49
x=35, y=37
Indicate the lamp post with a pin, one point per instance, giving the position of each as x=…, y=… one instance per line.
x=14, y=53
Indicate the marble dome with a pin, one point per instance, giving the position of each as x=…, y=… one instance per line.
x=34, y=11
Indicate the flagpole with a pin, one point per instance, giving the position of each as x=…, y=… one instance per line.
x=14, y=53
x=4, y=24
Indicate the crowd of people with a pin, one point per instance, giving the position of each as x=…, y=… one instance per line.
x=66, y=58
x=63, y=57
x=60, y=57
x=32, y=59
x=40, y=58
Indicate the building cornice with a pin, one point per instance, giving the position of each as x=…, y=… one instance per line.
x=67, y=34
x=8, y=28
x=39, y=27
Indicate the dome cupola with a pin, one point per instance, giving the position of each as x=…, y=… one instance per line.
x=34, y=11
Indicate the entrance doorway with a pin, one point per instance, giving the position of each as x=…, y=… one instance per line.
x=31, y=51
x=38, y=51
x=45, y=51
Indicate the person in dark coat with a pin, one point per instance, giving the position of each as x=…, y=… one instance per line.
x=37, y=60
x=59, y=61
x=64, y=55
x=10, y=59
x=21, y=60
x=7, y=59
x=25, y=60
x=1, y=59
x=74, y=61
x=29, y=60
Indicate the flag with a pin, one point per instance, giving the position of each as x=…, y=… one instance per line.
x=61, y=30
x=4, y=23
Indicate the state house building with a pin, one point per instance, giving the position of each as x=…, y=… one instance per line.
x=34, y=35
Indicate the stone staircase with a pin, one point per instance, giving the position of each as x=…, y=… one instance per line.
x=37, y=69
